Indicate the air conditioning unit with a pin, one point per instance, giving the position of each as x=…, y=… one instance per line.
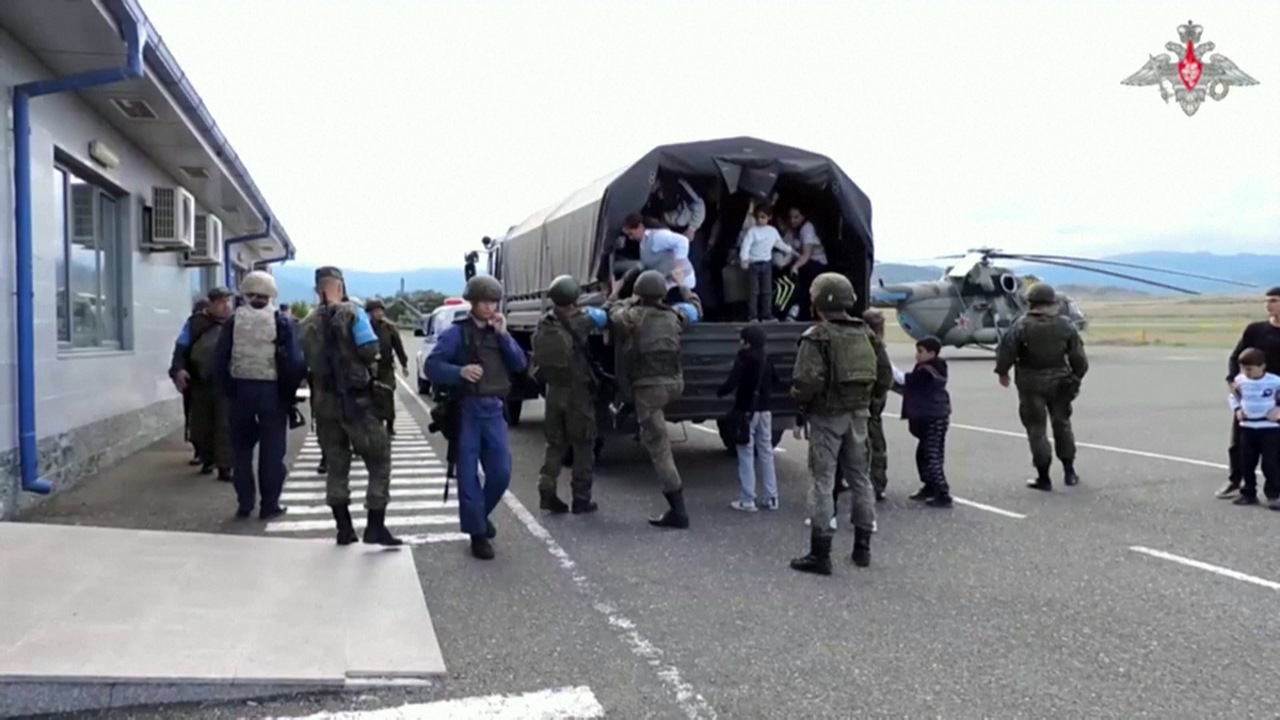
x=208, y=242
x=173, y=219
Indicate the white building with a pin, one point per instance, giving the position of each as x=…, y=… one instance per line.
x=134, y=198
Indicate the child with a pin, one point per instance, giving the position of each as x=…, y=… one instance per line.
x=1256, y=404
x=926, y=406
x=752, y=380
x=756, y=256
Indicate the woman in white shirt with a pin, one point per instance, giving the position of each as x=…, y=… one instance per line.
x=812, y=260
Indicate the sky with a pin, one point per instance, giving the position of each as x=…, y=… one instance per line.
x=394, y=134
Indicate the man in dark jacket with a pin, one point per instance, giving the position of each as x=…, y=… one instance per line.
x=926, y=406
x=192, y=369
x=1264, y=335
x=752, y=380
x=197, y=309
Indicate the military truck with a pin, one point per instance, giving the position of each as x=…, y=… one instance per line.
x=580, y=236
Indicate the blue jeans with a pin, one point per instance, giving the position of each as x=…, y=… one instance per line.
x=259, y=419
x=482, y=440
x=758, y=454
x=760, y=290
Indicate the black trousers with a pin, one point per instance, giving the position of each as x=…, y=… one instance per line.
x=1259, y=444
x=1233, y=461
x=931, y=452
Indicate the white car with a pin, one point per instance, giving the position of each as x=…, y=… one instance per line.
x=438, y=321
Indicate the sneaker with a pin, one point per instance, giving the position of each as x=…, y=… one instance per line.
x=743, y=506
x=1246, y=500
x=1274, y=504
x=768, y=504
x=1231, y=489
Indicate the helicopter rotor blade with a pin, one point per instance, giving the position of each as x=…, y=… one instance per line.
x=1115, y=263
x=1043, y=261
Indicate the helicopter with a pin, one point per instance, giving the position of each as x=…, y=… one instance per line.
x=975, y=302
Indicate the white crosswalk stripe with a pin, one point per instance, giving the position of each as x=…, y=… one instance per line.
x=417, y=504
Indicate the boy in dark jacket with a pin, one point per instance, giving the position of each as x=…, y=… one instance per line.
x=926, y=406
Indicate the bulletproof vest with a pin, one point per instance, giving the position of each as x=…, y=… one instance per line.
x=554, y=353
x=326, y=334
x=253, y=344
x=1042, y=342
x=201, y=352
x=655, y=346
x=482, y=347
x=663, y=262
x=850, y=359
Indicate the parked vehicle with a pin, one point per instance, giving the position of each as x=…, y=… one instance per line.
x=433, y=324
x=578, y=236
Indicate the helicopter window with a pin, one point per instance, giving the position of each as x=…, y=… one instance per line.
x=1008, y=283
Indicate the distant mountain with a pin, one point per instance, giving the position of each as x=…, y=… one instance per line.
x=1262, y=270
x=295, y=281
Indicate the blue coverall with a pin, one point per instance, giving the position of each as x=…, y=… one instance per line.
x=259, y=414
x=482, y=431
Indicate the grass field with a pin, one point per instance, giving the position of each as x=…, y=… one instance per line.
x=1178, y=322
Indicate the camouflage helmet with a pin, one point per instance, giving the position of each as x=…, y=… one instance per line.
x=564, y=290
x=482, y=287
x=650, y=285
x=832, y=292
x=1041, y=294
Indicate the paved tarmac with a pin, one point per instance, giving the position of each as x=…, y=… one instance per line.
x=1032, y=605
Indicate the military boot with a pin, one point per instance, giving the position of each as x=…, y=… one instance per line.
x=861, y=547
x=818, y=561
x=391, y=428
x=582, y=503
x=481, y=548
x=342, y=516
x=323, y=467
x=376, y=532
x=1041, y=481
x=1069, y=476
x=224, y=474
x=676, y=517
x=548, y=500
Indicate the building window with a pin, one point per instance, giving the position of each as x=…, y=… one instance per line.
x=90, y=263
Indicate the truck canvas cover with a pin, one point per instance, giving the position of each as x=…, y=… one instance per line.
x=575, y=235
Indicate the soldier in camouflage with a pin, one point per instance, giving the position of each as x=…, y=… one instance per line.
x=1049, y=354
x=390, y=348
x=877, y=448
x=649, y=333
x=341, y=350
x=560, y=361
x=840, y=367
x=192, y=369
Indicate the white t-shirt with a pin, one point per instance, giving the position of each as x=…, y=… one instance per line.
x=808, y=236
x=759, y=242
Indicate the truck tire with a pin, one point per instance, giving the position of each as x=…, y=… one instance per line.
x=513, y=412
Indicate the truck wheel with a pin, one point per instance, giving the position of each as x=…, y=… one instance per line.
x=513, y=412
x=424, y=387
x=776, y=435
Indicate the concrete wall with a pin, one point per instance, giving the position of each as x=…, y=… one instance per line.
x=95, y=407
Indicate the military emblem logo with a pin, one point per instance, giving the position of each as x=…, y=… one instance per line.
x=1196, y=77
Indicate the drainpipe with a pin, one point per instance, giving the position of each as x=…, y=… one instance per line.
x=226, y=247
x=136, y=40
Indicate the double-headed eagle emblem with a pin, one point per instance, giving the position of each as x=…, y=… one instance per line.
x=1196, y=77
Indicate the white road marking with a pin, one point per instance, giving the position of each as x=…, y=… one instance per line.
x=395, y=506
x=424, y=469
x=405, y=456
x=567, y=703
x=1094, y=446
x=694, y=706
x=396, y=483
x=989, y=508
x=433, y=538
x=396, y=492
x=391, y=521
x=1225, y=572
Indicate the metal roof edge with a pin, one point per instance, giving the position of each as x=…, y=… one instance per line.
x=169, y=72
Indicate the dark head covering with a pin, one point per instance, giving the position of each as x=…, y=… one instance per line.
x=328, y=271
x=374, y=304
x=754, y=337
x=217, y=293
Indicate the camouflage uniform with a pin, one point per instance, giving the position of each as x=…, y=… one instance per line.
x=570, y=395
x=390, y=348
x=346, y=420
x=1047, y=350
x=840, y=366
x=877, y=448
x=649, y=334
x=210, y=424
